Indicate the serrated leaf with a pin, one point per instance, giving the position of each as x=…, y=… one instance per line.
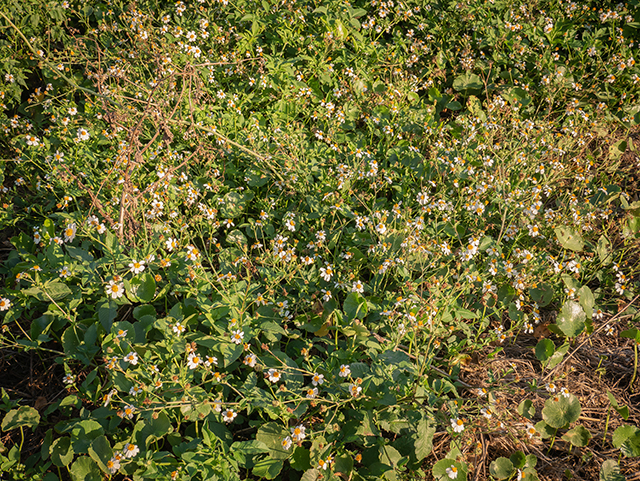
x=569, y=238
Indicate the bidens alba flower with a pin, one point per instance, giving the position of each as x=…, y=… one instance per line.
x=228, y=415
x=193, y=360
x=344, y=370
x=457, y=424
x=4, y=304
x=130, y=450
x=237, y=336
x=136, y=267
x=274, y=375
x=452, y=472
x=297, y=433
x=70, y=233
x=115, y=289
x=286, y=443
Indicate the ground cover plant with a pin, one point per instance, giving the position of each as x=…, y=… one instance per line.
x=319, y=240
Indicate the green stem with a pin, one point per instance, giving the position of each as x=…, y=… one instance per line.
x=606, y=426
x=635, y=366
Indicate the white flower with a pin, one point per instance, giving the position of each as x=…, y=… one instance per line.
x=68, y=379
x=228, y=415
x=317, y=379
x=4, y=304
x=115, y=289
x=457, y=425
x=290, y=225
x=129, y=410
x=344, y=370
x=178, y=328
x=354, y=389
x=70, y=232
x=171, y=244
x=113, y=465
x=237, y=336
x=193, y=360
x=452, y=472
x=326, y=272
x=297, y=433
x=83, y=134
x=250, y=360
x=136, y=267
x=286, y=443
x=130, y=450
x=358, y=287
x=274, y=375
x=531, y=430
x=312, y=392
x=131, y=358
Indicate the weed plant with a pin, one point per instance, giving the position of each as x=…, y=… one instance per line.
x=265, y=239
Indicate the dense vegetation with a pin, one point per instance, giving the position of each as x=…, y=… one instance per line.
x=313, y=240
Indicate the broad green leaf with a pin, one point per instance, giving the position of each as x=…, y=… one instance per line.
x=560, y=411
x=147, y=287
x=603, y=250
x=610, y=471
x=24, y=416
x=83, y=433
x=542, y=294
x=467, y=83
x=100, y=451
x=423, y=443
x=623, y=433
x=571, y=319
x=545, y=349
x=527, y=409
x=84, y=469
x=545, y=430
x=569, y=238
x=578, y=436
x=355, y=306
x=272, y=434
x=586, y=300
x=631, y=334
x=439, y=470
x=268, y=468
x=518, y=459
x=61, y=452
x=501, y=468
x=622, y=410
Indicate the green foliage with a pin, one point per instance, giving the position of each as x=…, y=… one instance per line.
x=261, y=239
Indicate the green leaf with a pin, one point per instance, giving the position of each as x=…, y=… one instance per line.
x=610, y=471
x=343, y=466
x=83, y=433
x=24, y=416
x=627, y=438
x=355, y=306
x=603, y=250
x=518, y=459
x=545, y=349
x=147, y=288
x=84, y=469
x=586, y=300
x=468, y=82
x=527, y=409
x=272, y=434
x=542, y=294
x=571, y=319
x=623, y=433
x=423, y=443
x=100, y=451
x=569, y=238
x=622, y=410
x=501, y=468
x=268, y=468
x=545, y=430
x=560, y=411
x=107, y=312
x=631, y=334
x=578, y=436
x=439, y=470
x=61, y=452
x=231, y=352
